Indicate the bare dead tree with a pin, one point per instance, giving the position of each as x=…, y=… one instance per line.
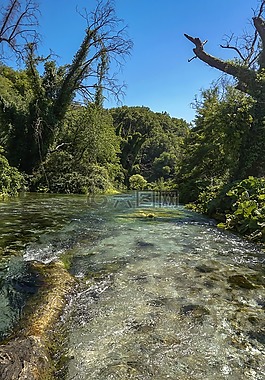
x=108, y=47
x=18, y=26
x=247, y=46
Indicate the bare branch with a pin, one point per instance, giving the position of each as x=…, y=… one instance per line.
x=247, y=46
x=243, y=74
x=233, y=48
x=191, y=59
x=105, y=43
x=259, y=24
x=261, y=9
x=18, y=25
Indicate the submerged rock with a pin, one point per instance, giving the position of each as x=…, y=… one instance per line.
x=144, y=244
x=195, y=311
x=204, y=269
x=24, y=359
x=258, y=335
x=158, y=302
x=144, y=326
x=240, y=281
x=27, y=356
x=142, y=278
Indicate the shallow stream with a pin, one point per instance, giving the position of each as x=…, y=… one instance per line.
x=162, y=292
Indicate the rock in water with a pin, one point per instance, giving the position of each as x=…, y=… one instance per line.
x=241, y=281
x=195, y=311
x=24, y=359
x=27, y=356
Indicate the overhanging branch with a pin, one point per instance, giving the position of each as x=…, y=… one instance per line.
x=243, y=74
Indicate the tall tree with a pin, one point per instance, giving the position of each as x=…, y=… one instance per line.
x=105, y=40
x=213, y=147
x=248, y=69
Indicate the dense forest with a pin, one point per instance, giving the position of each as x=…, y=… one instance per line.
x=56, y=136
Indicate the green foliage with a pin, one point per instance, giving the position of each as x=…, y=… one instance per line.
x=34, y=102
x=137, y=182
x=161, y=185
x=151, y=143
x=88, y=134
x=214, y=148
x=11, y=181
x=60, y=174
x=247, y=212
x=26, y=113
x=164, y=164
x=241, y=206
x=84, y=158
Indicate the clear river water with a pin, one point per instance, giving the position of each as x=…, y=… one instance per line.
x=161, y=293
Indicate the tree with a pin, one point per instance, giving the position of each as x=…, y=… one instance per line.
x=249, y=72
x=18, y=26
x=33, y=131
x=84, y=157
x=137, y=182
x=161, y=153
x=133, y=125
x=150, y=141
x=11, y=181
x=214, y=145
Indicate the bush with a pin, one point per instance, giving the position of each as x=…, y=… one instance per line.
x=162, y=185
x=60, y=174
x=240, y=205
x=11, y=180
x=247, y=211
x=137, y=182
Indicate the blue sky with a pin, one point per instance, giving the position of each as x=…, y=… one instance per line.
x=157, y=73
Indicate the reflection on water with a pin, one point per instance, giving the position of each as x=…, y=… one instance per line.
x=163, y=294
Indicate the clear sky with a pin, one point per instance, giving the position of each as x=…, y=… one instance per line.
x=157, y=74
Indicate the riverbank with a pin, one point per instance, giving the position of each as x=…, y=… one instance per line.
x=238, y=207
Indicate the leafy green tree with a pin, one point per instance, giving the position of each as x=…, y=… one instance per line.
x=11, y=181
x=147, y=140
x=161, y=153
x=248, y=70
x=84, y=156
x=34, y=124
x=137, y=182
x=88, y=133
x=133, y=125
x=214, y=146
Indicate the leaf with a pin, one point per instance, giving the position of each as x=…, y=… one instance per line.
x=221, y=225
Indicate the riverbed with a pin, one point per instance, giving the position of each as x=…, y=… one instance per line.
x=161, y=293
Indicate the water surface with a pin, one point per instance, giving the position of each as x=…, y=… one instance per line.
x=162, y=292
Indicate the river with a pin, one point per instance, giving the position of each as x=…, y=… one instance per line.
x=162, y=292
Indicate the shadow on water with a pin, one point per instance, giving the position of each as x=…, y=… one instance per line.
x=162, y=292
